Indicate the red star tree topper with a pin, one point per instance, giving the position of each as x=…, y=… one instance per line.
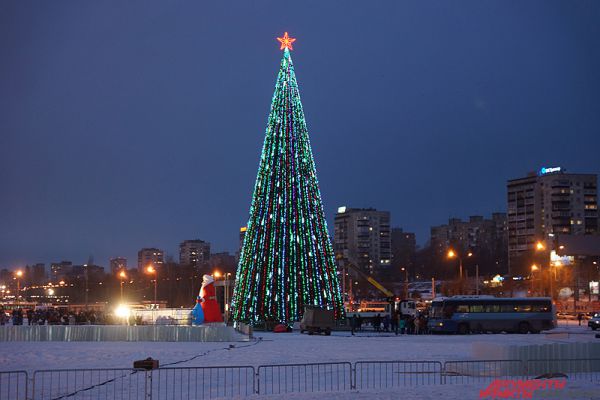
x=286, y=42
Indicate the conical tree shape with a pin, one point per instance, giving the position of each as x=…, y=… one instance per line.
x=287, y=261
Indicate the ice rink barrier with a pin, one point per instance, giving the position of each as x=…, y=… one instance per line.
x=120, y=333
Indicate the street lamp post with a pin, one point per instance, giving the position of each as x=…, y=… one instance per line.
x=405, y=282
x=154, y=271
x=533, y=269
x=477, y=279
x=453, y=254
x=123, y=276
x=227, y=276
x=217, y=275
x=19, y=275
x=540, y=247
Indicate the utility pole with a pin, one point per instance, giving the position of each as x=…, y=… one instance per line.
x=87, y=278
x=477, y=279
x=344, y=283
x=405, y=282
x=576, y=273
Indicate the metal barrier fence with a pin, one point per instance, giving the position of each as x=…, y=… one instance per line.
x=13, y=385
x=133, y=384
x=318, y=377
x=574, y=368
x=118, y=383
x=385, y=374
x=473, y=371
x=202, y=383
x=239, y=381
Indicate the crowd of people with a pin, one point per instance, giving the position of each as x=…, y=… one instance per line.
x=396, y=323
x=50, y=316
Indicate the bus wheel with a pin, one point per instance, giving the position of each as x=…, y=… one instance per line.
x=523, y=327
x=463, y=329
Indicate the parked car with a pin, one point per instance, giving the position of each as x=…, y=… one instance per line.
x=594, y=322
x=566, y=315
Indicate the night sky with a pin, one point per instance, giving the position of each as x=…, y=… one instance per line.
x=140, y=123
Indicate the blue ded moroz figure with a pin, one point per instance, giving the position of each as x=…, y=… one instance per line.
x=197, y=313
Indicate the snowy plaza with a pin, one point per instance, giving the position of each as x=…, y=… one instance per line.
x=267, y=349
x=307, y=257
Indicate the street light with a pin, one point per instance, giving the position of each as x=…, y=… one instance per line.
x=226, y=307
x=18, y=275
x=123, y=276
x=217, y=275
x=452, y=254
x=533, y=269
x=539, y=247
x=405, y=282
x=151, y=270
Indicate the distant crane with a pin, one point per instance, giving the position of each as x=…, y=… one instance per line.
x=345, y=263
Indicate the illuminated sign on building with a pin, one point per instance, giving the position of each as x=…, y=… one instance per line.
x=549, y=170
x=558, y=261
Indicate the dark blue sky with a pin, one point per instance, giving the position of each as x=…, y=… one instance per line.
x=140, y=123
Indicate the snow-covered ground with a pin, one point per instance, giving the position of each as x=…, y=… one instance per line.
x=289, y=348
x=272, y=348
x=573, y=390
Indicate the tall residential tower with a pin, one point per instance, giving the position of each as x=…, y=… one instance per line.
x=363, y=237
x=545, y=203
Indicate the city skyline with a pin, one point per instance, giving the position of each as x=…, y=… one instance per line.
x=148, y=134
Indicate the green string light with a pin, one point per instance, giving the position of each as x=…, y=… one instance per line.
x=287, y=259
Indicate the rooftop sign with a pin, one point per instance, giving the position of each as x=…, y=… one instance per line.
x=549, y=170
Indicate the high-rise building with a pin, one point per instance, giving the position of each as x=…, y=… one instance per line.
x=38, y=273
x=93, y=272
x=550, y=201
x=404, y=246
x=117, y=264
x=474, y=233
x=363, y=236
x=150, y=256
x=404, y=249
x=61, y=270
x=222, y=262
x=194, y=252
x=485, y=238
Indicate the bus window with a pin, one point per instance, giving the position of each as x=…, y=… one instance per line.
x=476, y=308
x=508, y=308
x=492, y=308
x=462, y=308
x=449, y=311
x=523, y=308
x=540, y=307
x=436, y=310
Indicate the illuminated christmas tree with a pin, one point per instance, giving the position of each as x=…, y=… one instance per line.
x=287, y=261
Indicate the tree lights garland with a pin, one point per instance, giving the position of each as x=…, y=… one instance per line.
x=287, y=260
